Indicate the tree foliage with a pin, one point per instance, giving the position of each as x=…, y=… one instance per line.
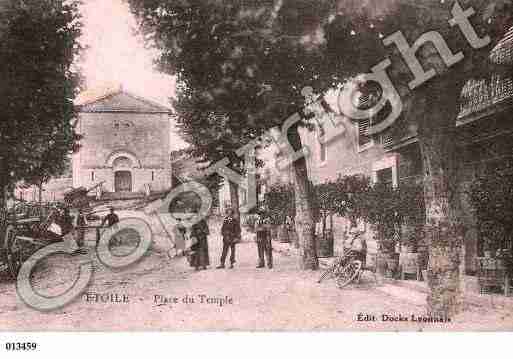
x=388, y=208
x=348, y=195
x=354, y=44
x=241, y=68
x=38, y=45
x=491, y=195
x=247, y=63
x=381, y=205
x=279, y=200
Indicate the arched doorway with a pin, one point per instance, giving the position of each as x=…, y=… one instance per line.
x=122, y=167
x=123, y=181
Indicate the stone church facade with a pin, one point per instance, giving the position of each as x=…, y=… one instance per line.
x=125, y=144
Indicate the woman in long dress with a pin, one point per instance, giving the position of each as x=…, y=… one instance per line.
x=199, y=257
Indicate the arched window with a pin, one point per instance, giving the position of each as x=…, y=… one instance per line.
x=122, y=162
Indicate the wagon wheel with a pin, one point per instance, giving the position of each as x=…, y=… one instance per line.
x=14, y=251
x=348, y=273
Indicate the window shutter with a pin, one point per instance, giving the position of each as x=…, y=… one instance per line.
x=386, y=138
x=363, y=133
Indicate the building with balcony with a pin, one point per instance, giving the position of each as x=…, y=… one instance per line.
x=485, y=139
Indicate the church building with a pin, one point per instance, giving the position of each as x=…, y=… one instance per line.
x=126, y=143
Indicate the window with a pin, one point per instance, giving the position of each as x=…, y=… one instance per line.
x=364, y=140
x=152, y=176
x=410, y=165
x=122, y=162
x=244, y=196
x=92, y=176
x=323, y=153
x=385, y=176
x=386, y=138
x=385, y=171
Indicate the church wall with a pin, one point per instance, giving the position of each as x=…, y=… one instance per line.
x=144, y=138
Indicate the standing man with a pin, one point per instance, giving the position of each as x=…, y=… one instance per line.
x=80, y=225
x=231, y=233
x=67, y=222
x=111, y=219
x=263, y=236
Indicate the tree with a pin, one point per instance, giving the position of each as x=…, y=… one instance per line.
x=241, y=68
x=186, y=167
x=324, y=202
x=355, y=38
x=343, y=197
x=491, y=195
x=287, y=45
x=38, y=45
x=349, y=196
x=279, y=199
x=388, y=208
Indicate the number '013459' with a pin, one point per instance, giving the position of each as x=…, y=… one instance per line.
x=29, y=346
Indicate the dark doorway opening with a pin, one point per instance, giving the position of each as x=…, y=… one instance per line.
x=123, y=181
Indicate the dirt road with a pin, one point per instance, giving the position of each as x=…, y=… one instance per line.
x=160, y=293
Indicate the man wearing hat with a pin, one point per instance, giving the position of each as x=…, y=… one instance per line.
x=231, y=233
x=111, y=219
x=263, y=233
x=80, y=225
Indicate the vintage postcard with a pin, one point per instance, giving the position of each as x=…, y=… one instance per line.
x=259, y=165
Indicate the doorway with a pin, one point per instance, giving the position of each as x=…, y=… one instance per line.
x=123, y=181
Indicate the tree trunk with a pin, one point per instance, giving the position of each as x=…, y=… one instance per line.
x=444, y=229
x=40, y=199
x=305, y=226
x=3, y=186
x=234, y=198
x=381, y=269
x=3, y=194
x=435, y=108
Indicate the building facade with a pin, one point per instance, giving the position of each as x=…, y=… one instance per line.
x=125, y=143
x=485, y=139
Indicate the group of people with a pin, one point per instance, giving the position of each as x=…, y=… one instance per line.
x=231, y=235
x=62, y=224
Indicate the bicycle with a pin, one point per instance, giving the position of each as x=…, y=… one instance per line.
x=346, y=268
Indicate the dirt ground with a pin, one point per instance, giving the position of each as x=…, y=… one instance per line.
x=244, y=298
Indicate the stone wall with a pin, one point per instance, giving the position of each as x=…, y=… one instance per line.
x=344, y=157
x=143, y=138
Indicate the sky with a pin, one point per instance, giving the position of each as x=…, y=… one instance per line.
x=116, y=56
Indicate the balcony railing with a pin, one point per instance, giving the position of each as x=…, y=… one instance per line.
x=478, y=95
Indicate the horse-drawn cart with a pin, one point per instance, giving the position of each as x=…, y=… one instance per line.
x=26, y=228
x=20, y=237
